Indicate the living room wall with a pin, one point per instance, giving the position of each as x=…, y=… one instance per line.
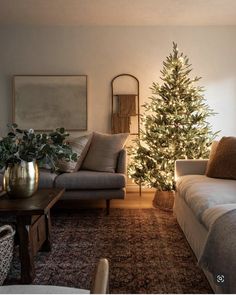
x=104, y=52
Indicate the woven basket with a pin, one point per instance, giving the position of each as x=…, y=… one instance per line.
x=164, y=200
x=6, y=250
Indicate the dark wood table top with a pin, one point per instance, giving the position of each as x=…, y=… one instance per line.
x=38, y=204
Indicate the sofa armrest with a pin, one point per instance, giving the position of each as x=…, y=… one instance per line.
x=122, y=162
x=190, y=166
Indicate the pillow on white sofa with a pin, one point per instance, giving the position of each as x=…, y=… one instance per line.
x=103, y=152
x=214, y=146
x=80, y=146
x=222, y=162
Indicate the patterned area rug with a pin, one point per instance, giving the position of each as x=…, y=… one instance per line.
x=146, y=250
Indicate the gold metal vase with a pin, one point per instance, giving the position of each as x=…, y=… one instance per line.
x=21, y=179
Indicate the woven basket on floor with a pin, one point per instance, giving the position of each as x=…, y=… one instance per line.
x=164, y=200
x=6, y=250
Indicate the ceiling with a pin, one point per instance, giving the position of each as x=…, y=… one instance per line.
x=117, y=12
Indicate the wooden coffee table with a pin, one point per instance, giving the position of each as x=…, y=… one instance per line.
x=32, y=224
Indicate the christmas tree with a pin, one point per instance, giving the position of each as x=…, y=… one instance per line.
x=174, y=125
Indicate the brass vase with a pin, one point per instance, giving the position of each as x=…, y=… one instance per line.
x=21, y=179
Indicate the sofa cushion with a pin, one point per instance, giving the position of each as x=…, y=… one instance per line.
x=46, y=178
x=223, y=162
x=80, y=146
x=103, y=152
x=90, y=180
x=201, y=192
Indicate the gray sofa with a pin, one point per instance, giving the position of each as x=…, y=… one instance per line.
x=88, y=185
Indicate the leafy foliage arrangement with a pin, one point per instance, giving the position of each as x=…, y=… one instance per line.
x=174, y=125
x=26, y=145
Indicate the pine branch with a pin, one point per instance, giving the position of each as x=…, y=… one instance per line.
x=174, y=125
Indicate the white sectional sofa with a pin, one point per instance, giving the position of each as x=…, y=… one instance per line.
x=201, y=201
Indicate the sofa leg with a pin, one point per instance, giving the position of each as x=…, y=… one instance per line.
x=107, y=207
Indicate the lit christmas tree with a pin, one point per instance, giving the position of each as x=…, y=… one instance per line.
x=174, y=126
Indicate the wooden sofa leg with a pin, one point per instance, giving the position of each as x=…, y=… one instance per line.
x=107, y=207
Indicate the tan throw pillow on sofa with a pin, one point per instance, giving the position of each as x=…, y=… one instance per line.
x=103, y=152
x=222, y=164
x=214, y=146
x=80, y=146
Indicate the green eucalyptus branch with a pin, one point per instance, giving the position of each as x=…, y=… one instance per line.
x=26, y=145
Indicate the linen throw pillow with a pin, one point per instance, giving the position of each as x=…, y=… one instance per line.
x=222, y=164
x=80, y=146
x=103, y=152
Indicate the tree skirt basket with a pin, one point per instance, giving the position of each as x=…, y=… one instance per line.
x=6, y=250
x=164, y=200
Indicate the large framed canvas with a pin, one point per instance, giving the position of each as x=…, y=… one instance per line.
x=48, y=102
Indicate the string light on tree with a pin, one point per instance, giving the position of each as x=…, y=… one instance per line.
x=174, y=125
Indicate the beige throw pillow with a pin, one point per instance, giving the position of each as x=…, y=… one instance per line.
x=79, y=146
x=103, y=152
x=222, y=162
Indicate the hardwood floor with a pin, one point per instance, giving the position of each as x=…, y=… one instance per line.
x=132, y=201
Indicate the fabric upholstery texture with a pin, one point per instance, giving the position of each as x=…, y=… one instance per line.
x=90, y=180
x=88, y=185
x=79, y=146
x=190, y=166
x=202, y=193
x=103, y=152
x=100, y=194
x=40, y=289
x=213, y=202
x=223, y=162
x=214, y=146
x=46, y=178
x=122, y=162
x=218, y=255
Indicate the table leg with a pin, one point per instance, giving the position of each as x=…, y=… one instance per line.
x=47, y=244
x=25, y=250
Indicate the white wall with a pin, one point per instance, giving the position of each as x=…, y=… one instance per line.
x=104, y=52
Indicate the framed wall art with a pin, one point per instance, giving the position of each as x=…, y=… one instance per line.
x=47, y=102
